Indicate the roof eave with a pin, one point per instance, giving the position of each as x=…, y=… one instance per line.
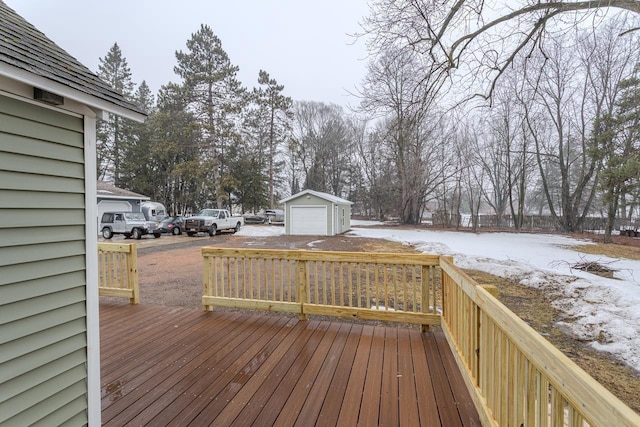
x=316, y=194
x=111, y=196
x=91, y=101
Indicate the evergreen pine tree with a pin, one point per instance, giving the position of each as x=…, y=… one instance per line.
x=114, y=133
x=179, y=173
x=250, y=188
x=215, y=97
x=274, y=117
x=616, y=143
x=137, y=172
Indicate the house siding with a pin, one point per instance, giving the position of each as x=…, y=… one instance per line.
x=43, y=336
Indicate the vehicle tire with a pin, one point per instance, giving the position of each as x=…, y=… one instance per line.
x=237, y=228
x=176, y=231
x=107, y=233
x=191, y=233
x=212, y=230
x=157, y=235
x=136, y=233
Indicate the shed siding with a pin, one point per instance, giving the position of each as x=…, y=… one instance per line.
x=338, y=212
x=43, y=371
x=344, y=218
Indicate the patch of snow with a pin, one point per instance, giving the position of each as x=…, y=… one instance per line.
x=364, y=223
x=382, y=308
x=312, y=244
x=260, y=231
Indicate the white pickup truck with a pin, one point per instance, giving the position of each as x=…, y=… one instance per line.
x=212, y=221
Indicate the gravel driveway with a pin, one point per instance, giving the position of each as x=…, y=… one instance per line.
x=170, y=268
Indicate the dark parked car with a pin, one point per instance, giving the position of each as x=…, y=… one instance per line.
x=270, y=216
x=274, y=216
x=172, y=224
x=258, y=218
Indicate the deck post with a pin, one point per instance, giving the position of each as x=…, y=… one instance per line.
x=206, y=273
x=442, y=286
x=132, y=276
x=492, y=289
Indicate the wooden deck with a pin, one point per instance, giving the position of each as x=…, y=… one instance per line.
x=182, y=366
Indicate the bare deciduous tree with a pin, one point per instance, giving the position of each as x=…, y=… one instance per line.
x=475, y=37
x=472, y=170
x=569, y=93
x=321, y=146
x=391, y=90
x=375, y=162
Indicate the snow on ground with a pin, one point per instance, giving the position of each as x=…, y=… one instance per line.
x=364, y=223
x=260, y=231
x=604, y=312
x=313, y=244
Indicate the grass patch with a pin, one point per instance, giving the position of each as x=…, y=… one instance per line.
x=609, y=249
x=530, y=304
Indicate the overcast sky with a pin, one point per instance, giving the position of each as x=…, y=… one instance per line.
x=303, y=44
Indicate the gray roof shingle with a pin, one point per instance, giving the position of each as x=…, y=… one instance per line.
x=23, y=46
x=104, y=189
x=326, y=196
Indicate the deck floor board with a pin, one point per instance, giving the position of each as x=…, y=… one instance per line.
x=350, y=410
x=258, y=401
x=181, y=366
x=334, y=399
x=183, y=372
x=217, y=372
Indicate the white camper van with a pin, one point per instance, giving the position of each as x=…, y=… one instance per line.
x=153, y=211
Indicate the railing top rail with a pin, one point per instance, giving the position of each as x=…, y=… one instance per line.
x=306, y=255
x=598, y=404
x=115, y=247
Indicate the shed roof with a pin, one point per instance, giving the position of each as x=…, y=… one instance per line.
x=106, y=190
x=26, y=52
x=320, y=194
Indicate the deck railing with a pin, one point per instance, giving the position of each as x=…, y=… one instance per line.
x=515, y=376
x=391, y=287
x=518, y=378
x=118, y=271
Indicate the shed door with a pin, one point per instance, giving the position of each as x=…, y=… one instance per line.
x=309, y=220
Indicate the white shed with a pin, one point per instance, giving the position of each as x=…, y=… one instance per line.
x=315, y=213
